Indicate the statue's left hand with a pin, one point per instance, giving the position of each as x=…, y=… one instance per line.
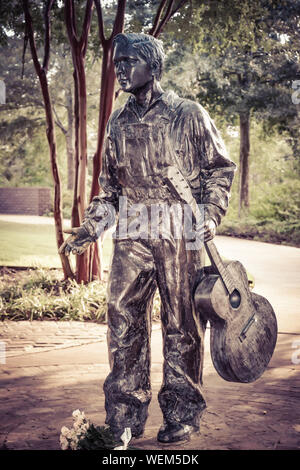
x=206, y=229
x=209, y=229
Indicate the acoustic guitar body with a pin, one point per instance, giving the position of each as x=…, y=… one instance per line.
x=243, y=325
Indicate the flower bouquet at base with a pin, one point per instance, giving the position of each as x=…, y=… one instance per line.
x=85, y=436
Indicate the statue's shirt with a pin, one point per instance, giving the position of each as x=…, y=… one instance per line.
x=170, y=132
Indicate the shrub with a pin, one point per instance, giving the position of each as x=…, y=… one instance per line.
x=40, y=295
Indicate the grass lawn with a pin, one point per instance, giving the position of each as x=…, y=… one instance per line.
x=33, y=245
x=40, y=296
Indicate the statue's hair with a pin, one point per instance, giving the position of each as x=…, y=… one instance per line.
x=150, y=48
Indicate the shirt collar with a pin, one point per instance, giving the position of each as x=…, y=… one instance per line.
x=166, y=97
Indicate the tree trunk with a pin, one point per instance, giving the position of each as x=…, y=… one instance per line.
x=41, y=72
x=89, y=264
x=75, y=215
x=79, y=47
x=57, y=186
x=68, y=134
x=105, y=108
x=244, y=162
x=69, y=139
x=106, y=104
x=83, y=269
x=166, y=9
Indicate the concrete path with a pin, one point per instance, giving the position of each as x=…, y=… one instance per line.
x=53, y=368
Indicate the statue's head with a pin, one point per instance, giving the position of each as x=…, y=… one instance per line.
x=137, y=56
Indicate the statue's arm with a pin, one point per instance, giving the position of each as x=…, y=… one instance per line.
x=100, y=215
x=217, y=169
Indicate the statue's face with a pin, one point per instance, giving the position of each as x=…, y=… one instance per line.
x=132, y=71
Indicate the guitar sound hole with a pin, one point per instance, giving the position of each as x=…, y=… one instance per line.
x=235, y=299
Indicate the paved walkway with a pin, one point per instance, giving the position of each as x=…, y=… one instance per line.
x=53, y=368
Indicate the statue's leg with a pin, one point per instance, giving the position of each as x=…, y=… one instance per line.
x=131, y=290
x=181, y=396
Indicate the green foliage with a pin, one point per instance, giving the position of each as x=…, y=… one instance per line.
x=67, y=198
x=11, y=16
x=227, y=54
x=43, y=297
x=280, y=202
x=99, y=438
x=214, y=25
x=96, y=438
x=264, y=230
x=24, y=152
x=274, y=212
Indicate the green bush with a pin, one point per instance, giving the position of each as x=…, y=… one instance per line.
x=274, y=189
x=40, y=295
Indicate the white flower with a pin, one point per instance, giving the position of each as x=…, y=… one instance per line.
x=73, y=434
x=77, y=426
x=77, y=413
x=81, y=428
x=69, y=438
x=64, y=431
x=85, y=427
x=64, y=443
x=73, y=445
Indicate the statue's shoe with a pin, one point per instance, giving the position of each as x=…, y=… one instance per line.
x=174, y=432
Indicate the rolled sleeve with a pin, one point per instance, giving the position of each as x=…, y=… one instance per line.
x=217, y=169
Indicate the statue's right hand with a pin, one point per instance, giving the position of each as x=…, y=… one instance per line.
x=77, y=242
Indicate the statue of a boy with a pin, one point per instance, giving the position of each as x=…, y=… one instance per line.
x=152, y=131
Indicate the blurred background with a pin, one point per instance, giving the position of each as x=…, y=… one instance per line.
x=240, y=60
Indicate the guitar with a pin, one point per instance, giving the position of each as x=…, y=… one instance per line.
x=243, y=324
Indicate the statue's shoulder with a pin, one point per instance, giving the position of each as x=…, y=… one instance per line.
x=186, y=108
x=113, y=119
x=115, y=115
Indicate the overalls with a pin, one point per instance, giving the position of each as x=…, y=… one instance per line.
x=172, y=132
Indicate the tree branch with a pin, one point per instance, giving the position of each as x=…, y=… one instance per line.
x=119, y=19
x=165, y=18
x=30, y=35
x=159, y=23
x=47, y=34
x=100, y=21
x=86, y=26
x=157, y=17
x=70, y=22
x=23, y=54
x=58, y=122
x=180, y=4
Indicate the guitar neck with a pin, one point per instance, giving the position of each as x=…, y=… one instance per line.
x=179, y=186
x=218, y=264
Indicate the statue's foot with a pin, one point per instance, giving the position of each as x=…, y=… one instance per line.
x=174, y=432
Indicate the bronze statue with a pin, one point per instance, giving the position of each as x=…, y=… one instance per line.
x=153, y=132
